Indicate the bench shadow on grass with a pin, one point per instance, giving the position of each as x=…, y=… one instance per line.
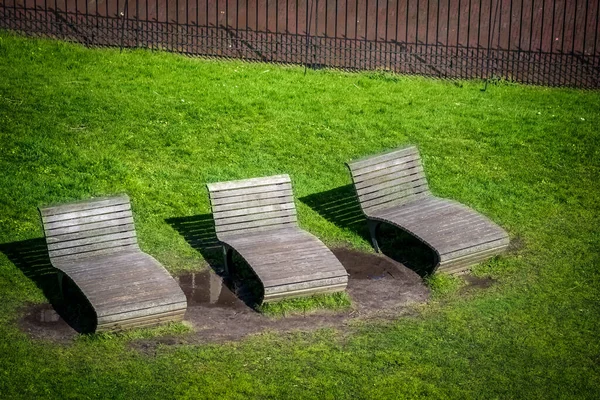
x=199, y=232
x=340, y=206
x=31, y=257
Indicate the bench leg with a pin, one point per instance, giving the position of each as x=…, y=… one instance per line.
x=61, y=276
x=373, y=231
x=227, y=260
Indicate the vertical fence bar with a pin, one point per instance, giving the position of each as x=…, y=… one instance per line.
x=551, y=57
x=541, y=64
x=376, y=44
x=508, y=46
x=437, y=32
x=448, y=62
x=459, y=71
x=417, y=46
x=427, y=34
x=489, y=46
x=395, y=45
x=594, y=53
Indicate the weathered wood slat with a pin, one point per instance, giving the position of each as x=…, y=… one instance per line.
x=421, y=209
x=247, y=183
x=142, y=322
x=450, y=229
x=249, y=204
x=443, y=222
x=275, y=189
x=409, y=168
x=96, y=253
x=275, y=235
x=255, y=224
x=454, y=246
x=302, y=245
x=471, y=258
x=142, y=267
x=92, y=247
x=317, y=271
x=126, y=301
x=289, y=291
x=88, y=220
x=119, y=314
x=51, y=232
x=382, y=157
x=383, y=165
x=222, y=221
x=86, y=213
x=112, y=238
x=389, y=182
x=257, y=230
x=306, y=285
x=388, y=193
x=98, y=202
x=395, y=188
x=299, y=279
x=458, y=265
x=256, y=210
x=133, y=293
x=273, y=244
x=288, y=261
x=402, y=196
x=237, y=201
x=94, y=243
x=90, y=233
x=261, y=227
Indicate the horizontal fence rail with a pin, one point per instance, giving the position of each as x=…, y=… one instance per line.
x=546, y=42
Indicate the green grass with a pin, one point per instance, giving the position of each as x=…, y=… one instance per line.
x=78, y=122
x=306, y=305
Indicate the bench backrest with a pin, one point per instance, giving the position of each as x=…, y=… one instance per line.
x=89, y=228
x=389, y=179
x=250, y=205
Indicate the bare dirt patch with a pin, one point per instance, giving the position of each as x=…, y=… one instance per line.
x=41, y=321
x=378, y=286
x=475, y=283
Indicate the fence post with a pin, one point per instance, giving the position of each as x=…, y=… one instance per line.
x=491, y=30
x=124, y=16
x=308, y=26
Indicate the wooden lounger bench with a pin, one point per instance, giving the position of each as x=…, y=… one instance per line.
x=392, y=188
x=257, y=218
x=94, y=243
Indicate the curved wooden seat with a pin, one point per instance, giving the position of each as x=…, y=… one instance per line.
x=392, y=188
x=257, y=218
x=94, y=243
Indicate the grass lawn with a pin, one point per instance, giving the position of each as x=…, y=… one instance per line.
x=78, y=122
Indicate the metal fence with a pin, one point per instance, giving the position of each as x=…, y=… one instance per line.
x=546, y=42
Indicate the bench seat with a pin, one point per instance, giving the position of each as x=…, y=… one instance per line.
x=256, y=218
x=392, y=188
x=94, y=243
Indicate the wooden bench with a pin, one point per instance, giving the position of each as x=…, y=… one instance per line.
x=257, y=219
x=392, y=188
x=94, y=243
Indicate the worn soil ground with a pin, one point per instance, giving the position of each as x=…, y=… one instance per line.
x=380, y=288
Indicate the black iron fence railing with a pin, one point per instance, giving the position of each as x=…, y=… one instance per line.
x=546, y=42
